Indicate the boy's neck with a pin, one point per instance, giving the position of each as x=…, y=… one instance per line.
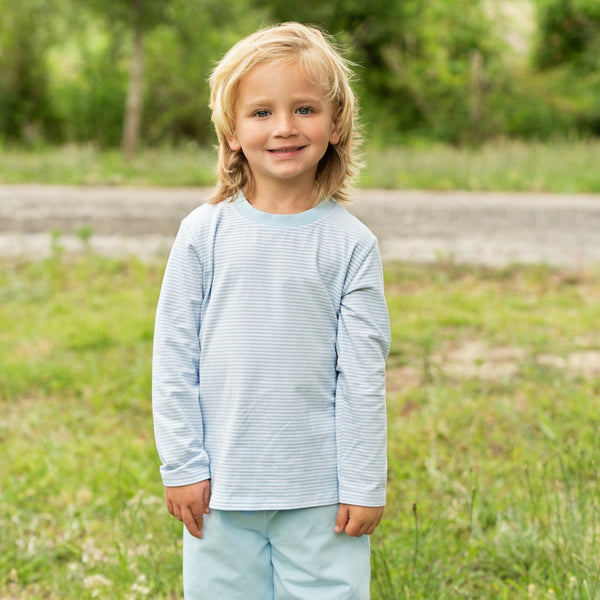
x=280, y=201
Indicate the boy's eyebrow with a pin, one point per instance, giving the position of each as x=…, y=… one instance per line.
x=258, y=102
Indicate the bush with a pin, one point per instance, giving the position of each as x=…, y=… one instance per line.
x=89, y=95
x=26, y=112
x=569, y=33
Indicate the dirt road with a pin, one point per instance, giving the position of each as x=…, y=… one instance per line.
x=467, y=227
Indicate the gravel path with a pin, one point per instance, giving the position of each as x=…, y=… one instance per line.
x=466, y=227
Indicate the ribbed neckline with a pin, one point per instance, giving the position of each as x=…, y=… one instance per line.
x=258, y=216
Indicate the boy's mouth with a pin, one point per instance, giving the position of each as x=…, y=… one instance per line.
x=284, y=150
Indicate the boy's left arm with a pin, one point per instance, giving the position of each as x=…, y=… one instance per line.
x=363, y=343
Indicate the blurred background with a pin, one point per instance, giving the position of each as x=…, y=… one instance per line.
x=494, y=296
x=133, y=73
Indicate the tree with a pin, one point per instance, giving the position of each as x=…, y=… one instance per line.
x=139, y=16
x=133, y=107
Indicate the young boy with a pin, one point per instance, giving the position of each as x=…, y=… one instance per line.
x=271, y=338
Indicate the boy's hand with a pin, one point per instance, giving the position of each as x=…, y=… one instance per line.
x=189, y=504
x=357, y=520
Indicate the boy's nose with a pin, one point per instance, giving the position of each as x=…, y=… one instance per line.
x=285, y=125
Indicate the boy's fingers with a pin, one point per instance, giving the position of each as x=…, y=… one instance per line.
x=353, y=529
x=206, y=499
x=341, y=519
x=192, y=522
x=189, y=504
x=169, y=503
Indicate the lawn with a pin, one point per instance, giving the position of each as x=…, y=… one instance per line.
x=494, y=380
x=561, y=166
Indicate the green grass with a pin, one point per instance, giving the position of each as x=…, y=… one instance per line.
x=493, y=435
x=86, y=165
x=505, y=165
x=560, y=166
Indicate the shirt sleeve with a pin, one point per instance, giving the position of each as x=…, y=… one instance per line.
x=363, y=343
x=175, y=368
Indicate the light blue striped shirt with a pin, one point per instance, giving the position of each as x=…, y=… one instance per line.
x=269, y=358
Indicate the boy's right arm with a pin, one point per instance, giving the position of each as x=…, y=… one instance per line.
x=189, y=504
x=178, y=422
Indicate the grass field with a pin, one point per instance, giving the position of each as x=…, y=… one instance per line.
x=494, y=381
x=560, y=166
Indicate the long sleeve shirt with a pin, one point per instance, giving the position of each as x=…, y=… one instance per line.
x=269, y=358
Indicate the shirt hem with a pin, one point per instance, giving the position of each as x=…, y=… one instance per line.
x=272, y=505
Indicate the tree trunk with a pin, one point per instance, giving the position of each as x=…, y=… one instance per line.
x=476, y=96
x=133, y=107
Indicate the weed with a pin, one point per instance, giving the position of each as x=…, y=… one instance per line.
x=84, y=233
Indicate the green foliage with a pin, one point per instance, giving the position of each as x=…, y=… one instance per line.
x=567, y=54
x=132, y=13
x=88, y=67
x=546, y=105
x=569, y=32
x=438, y=70
x=89, y=78
x=26, y=33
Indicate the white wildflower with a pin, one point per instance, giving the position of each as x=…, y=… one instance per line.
x=96, y=581
x=573, y=582
x=531, y=590
x=140, y=589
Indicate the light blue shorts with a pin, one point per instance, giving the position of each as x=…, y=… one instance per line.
x=275, y=555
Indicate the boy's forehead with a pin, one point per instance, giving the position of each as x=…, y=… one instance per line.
x=292, y=75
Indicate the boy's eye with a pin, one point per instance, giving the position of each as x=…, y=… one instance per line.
x=305, y=110
x=261, y=113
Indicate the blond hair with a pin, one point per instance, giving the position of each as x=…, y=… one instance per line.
x=323, y=64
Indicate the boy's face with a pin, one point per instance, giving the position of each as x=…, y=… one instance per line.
x=283, y=124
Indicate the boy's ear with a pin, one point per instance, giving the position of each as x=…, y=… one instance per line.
x=233, y=143
x=334, y=136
